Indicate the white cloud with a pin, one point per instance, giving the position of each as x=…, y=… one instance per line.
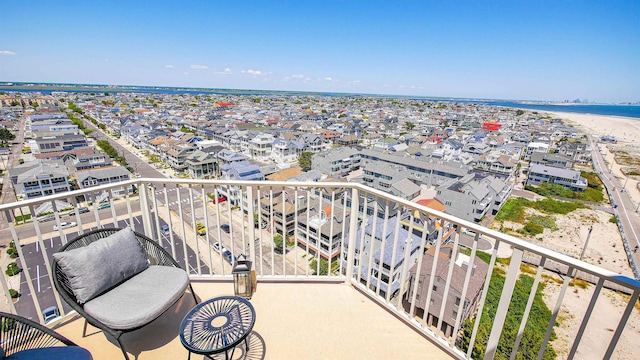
x=169, y=66
x=6, y=52
x=298, y=77
x=254, y=72
x=199, y=67
x=328, y=78
x=186, y=73
x=226, y=71
x=355, y=82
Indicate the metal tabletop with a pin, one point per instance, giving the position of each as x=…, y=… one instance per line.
x=217, y=325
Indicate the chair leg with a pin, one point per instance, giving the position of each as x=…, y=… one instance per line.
x=193, y=293
x=126, y=356
x=84, y=329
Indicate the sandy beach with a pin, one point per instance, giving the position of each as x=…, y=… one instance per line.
x=625, y=130
x=605, y=250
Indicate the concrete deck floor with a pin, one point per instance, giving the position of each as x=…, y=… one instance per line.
x=293, y=321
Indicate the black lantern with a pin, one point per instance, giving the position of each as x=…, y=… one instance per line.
x=242, y=279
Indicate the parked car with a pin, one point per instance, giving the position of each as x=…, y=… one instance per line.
x=81, y=210
x=219, y=200
x=470, y=232
x=228, y=256
x=217, y=247
x=51, y=313
x=165, y=229
x=64, y=225
x=226, y=228
x=46, y=218
x=104, y=206
x=201, y=229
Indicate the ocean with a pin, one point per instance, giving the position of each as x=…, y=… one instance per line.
x=632, y=111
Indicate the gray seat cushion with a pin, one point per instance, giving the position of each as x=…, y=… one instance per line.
x=140, y=299
x=95, y=268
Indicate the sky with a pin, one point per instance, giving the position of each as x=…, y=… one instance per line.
x=520, y=50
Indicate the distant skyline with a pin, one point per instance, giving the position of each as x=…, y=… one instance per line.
x=543, y=50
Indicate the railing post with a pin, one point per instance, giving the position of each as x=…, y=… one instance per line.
x=3, y=280
x=503, y=305
x=353, y=229
x=252, y=228
x=146, y=211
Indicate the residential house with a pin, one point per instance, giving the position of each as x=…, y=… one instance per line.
x=458, y=306
x=536, y=147
x=314, y=143
x=474, y=196
x=569, y=179
x=260, y=147
x=392, y=179
x=40, y=178
x=102, y=176
x=336, y=162
x=322, y=230
x=380, y=253
x=204, y=164
x=242, y=170
x=281, y=204
x=576, y=151
x=286, y=151
x=555, y=160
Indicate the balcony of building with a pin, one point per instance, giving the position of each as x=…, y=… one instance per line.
x=309, y=307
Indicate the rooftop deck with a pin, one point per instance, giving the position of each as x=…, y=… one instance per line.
x=293, y=321
x=367, y=302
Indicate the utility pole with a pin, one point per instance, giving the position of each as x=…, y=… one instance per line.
x=586, y=242
x=624, y=187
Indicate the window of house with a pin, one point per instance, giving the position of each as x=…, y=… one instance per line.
x=435, y=288
x=457, y=301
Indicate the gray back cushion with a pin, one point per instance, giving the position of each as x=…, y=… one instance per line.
x=102, y=264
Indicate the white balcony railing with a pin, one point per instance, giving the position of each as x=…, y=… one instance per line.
x=378, y=254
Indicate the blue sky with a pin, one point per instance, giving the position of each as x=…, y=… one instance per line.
x=542, y=50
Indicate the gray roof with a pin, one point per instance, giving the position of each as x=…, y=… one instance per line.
x=405, y=187
x=554, y=171
x=102, y=173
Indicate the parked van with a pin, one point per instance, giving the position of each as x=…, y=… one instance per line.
x=165, y=229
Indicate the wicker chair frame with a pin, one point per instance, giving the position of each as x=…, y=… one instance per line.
x=18, y=333
x=154, y=253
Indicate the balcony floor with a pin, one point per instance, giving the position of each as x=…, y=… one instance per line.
x=293, y=321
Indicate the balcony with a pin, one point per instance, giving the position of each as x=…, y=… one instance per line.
x=315, y=308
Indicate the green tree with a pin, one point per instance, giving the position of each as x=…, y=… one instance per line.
x=12, y=269
x=409, y=125
x=278, y=242
x=6, y=135
x=305, y=160
x=324, y=267
x=519, y=112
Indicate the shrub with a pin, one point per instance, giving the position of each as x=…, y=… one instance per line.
x=532, y=229
x=14, y=293
x=613, y=219
x=12, y=252
x=534, y=332
x=12, y=269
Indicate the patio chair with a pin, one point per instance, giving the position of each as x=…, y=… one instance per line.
x=118, y=280
x=22, y=338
